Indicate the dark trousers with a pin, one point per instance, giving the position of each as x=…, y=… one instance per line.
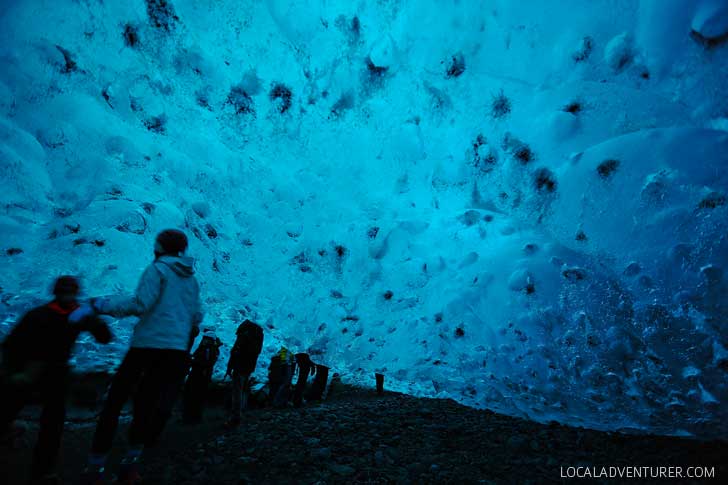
x=316, y=392
x=304, y=369
x=52, y=387
x=239, y=397
x=157, y=375
x=280, y=385
x=195, y=394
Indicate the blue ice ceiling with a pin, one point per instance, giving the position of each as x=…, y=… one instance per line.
x=518, y=205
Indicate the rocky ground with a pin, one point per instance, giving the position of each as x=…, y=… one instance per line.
x=360, y=438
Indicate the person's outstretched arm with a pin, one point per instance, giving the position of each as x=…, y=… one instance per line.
x=145, y=297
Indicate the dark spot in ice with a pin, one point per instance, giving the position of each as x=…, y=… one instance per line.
x=388, y=295
x=355, y=26
x=374, y=71
x=456, y=66
x=284, y=93
x=545, y=180
x=131, y=36
x=292, y=234
x=524, y=154
x=459, y=332
x=79, y=241
x=202, y=100
x=69, y=65
x=345, y=102
x=530, y=288
x=708, y=42
x=574, y=107
x=469, y=218
x=500, y=105
x=62, y=212
x=322, y=327
x=592, y=340
x=148, y=207
x=247, y=242
x=607, y=168
x=210, y=231
x=115, y=192
x=13, y=251
x=581, y=236
x=305, y=268
x=438, y=317
x=585, y=50
x=712, y=201
x=240, y=100
x=372, y=232
x=99, y=242
x=322, y=252
x=134, y=104
x=340, y=251
x=350, y=318
x=574, y=274
x=488, y=218
x=437, y=362
x=645, y=75
x=161, y=14
x=344, y=330
x=300, y=258
x=625, y=60
x=530, y=248
x=336, y=294
x=156, y=124
x=484, y=162
x=107, y=97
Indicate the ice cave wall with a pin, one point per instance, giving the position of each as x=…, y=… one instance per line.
x=519, y=205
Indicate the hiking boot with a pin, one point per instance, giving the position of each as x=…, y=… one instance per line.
x=129, y=474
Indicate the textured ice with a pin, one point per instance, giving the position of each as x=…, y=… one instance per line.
x=518, y=205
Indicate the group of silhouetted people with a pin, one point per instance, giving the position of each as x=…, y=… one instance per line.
x=36, y=354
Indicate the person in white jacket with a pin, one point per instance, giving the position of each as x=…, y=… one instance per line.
x=167, y=302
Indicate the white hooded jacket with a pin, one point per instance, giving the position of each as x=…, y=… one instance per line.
x=167, y=302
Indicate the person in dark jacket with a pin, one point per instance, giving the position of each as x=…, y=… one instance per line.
x=202, y=366
x=280, y=375
x=242, y=363
x=35, y=357
x=167, y=302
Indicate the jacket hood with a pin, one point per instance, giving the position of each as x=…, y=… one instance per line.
x=182, y=265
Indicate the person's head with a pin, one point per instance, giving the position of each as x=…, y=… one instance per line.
x=170, y=242
x=66, y=289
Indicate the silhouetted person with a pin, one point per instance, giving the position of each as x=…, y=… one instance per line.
x=280, y=375
x=202, y=366
x=305, y=368
x=167, y=302
x=242, y=363
x=35, y=358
